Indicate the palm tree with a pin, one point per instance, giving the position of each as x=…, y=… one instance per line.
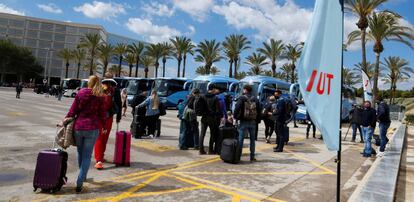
x=398, y=70
x=120, y=49
x=91, y=42
x=114, y=69
x=166, y=51
x=188, y=47
x=178, y=43
x=67, y=56
x=136, y=49
x=130, y=58
x=285, y=74
x=363, y=9
x=201, y=70
x=349, y=77
x=234, y=45
x=256, y=61
x=384, y=25
x=105, y=55
x=79, y=54
x=369, y=69
x=293, y=54
x=155, y=51
x=208, y=53
x=273, y=51
x=147, y=61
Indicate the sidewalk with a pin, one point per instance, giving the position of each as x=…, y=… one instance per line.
x=405, y=183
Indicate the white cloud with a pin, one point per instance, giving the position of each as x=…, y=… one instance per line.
x=51, y=8
x=191, y=30
x=102, y=10
x=151, y=32
x=158, y=9
x=198, y=9
x=6, y=9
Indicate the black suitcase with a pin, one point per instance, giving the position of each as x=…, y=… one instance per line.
x=50, y=172
x=226, y=132
x=230, y=151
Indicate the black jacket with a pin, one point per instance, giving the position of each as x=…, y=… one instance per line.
x=279, y=110
x=118, y=103
x=239, y=108
x=212, y=105
x=383, y=115
x=355, y=115
x=138, y=99
x=368, y=117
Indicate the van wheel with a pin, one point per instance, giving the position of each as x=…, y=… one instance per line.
x=73, y=95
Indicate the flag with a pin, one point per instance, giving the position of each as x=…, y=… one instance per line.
x=367, y=87
x=319, y=70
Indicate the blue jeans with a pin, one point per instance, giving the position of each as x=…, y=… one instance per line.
x=383, y=128
x=85, y=140
x=250, y=127
x=367, y=133
x=354, y=131
x=188, y=128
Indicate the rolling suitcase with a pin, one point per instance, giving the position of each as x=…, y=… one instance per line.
x=225, y=132
x=122, y=148
x=50, y=172
x=230, y=151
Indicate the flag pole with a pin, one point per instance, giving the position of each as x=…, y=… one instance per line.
x=338, y=160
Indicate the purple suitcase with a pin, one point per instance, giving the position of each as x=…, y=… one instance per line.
x=50, y=173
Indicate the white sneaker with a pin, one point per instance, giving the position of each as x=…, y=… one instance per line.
x=380, y=154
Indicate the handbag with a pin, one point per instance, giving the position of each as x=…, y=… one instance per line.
x=65, y=134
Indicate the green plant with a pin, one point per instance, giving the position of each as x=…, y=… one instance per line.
x=409, y=118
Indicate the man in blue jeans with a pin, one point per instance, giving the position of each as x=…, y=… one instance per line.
x=368, y=121
x=383, y=117
x=247, y=111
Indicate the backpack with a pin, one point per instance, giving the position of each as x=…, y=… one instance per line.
x=213, y=105
x=200, y=106
x=250, y=109
x=289, y=109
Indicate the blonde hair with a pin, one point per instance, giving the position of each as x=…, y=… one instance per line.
x=95, y=84
x=155, y=101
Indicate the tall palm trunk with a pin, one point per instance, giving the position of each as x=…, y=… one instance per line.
x=104, y=69
x=91, y=67
x=136, y=67
x=67, y=69
x=179, y=66
x=273, y=68
x=376, y=73
x=235, y=67
x=146, y=72
x=364, y=51
x=164, y=60
x=394, y=89
x=208, y=67
x=231, y=68
x=391, y=92
x=157, y=64
x=130, y=70
x=185, y=60
x=77, y=72
x=292, y=78
x=120, y=65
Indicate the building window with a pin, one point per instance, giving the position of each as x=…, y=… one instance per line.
x=43, y=53
x=4, y=22
x=33, y=25
x=46, y=27
x=45, y=44
x=83, y=31
x=59, y=37
x=16, y=41
x=46, y=35
x=71, y=30
x=32, y=34
x=70, y=46
x=55, y=72
x=60, y=28
x=58, y=45
x=17, y=23
x=3, y=30
x=71, y=39
x=31, y=43
x=57, y=63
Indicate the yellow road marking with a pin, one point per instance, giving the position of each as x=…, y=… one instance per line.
x=16, y=113
x=153, y=146
x=254, y=173
x=235, y=199
x=250, y=193
x=228, y=192
x=316, y=164
x=167, y=191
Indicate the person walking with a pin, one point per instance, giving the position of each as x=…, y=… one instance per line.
x=112, y=106
x=152, y=113
x=59, y=92
x=19, y=89
x=89, y=117
x=124, y=101
x=368, y=121
x=280, y=114
x=355, y=121
x=138, y=123
x=209, y=108
x=294, y=101
x=310, y=124
x=247, y=112
x=268, y=119
x=383, y=117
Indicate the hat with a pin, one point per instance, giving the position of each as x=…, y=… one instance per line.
x=109, y=81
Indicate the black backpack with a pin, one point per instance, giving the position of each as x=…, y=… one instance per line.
x=200, y=106
x=213, y=105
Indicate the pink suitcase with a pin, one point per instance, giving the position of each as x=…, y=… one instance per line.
x=122, y=148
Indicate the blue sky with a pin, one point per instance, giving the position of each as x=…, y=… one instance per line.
x=156, y=21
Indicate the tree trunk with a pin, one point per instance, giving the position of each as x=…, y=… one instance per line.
x=136, y=67
x=67, y=69
x=179, y=66
x=293, y=73
x=231, y=68
x=146, y=72
x=208, y=66
x=120, y=65
x=105, y=69
x=235, y=67
x=130, y=70
x=273, y=68
x=364, y=51
x=164, y=60
x=91, y=67
x=157, y=64
x=77, y=73
x=394, y=89
x=376, y=73
x=391, y=91
x=185, y=61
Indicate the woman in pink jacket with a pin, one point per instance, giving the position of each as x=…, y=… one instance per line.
x=87, y=109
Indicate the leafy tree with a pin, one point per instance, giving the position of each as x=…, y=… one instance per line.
x=256, y=61
x=106, y=52
x=79, y=55
x=293, y=53
x=130, y=58
x=67, y=55
x=91, y=43
x=137, y=49
x=201, y=70
x=349, y=77
x=398, y=70
x=272, y=50
x=208, y=53
x=147, y=61
x=166, y=51
x=120, y=50
x=155, y=51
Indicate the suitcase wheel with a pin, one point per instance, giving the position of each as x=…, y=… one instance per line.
x=35, y=189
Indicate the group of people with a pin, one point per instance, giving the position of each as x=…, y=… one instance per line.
x=215, y=111
x=365, y=119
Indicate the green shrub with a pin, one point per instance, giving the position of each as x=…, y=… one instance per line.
x=409, y=118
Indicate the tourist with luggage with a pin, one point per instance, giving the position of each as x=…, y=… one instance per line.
x=383, y=117
x=19, y=89
x=112, y=106
x=355, y=121
x=89, y=114
x=152, y=113
x=208, y=107
x=138, y=124
x=247, y=111
x=280, y=114
x=368, y=122
x=189, y=133
x=268, y=119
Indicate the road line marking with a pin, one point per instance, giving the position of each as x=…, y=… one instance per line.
x=316, y=164
x=166, y=191
x=235, y=199
x=153, y=146
x=250, y=193
x=254, y=173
